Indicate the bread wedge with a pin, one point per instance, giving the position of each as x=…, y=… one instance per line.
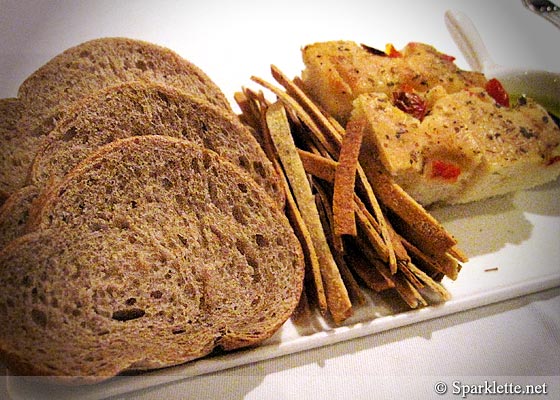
x=151, y=252
x=445, y=135
x=149, y=108
x=337, y=72
x=466, y=149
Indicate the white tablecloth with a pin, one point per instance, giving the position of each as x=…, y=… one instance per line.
x=515, y=341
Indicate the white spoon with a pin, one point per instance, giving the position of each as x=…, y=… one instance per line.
x=542, y=86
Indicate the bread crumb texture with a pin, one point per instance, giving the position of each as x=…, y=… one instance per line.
x=152, y=252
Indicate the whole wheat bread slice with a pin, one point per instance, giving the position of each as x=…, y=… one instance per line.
x=82, y=70
x=151, y=252
x=148, y=108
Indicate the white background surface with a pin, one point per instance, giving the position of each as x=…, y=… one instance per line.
x=509, y=341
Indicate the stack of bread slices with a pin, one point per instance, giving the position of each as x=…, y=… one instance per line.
x=141, y=223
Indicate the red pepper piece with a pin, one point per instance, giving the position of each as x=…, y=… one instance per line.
x=496, y=90
x=445, y=170
x=447, y=57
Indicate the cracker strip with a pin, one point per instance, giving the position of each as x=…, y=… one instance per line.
x=338, y=300
x=360, y=223
x=316, y=165
x=344, y=180
x=325, y=213
x=308, y=121
x=400, y=202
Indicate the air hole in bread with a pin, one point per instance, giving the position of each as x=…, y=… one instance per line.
x=216, y=231
x=241, y=246
x=180, y=200
x=244, y=162
x=253, y=263
x=121, y=222
x=39, y=317
x=206, y=161
x=141, y=65
x=156, y=294
x=128, y=314
x=239, y=215
x=261, y=240
x=69, y=134
x=242, y=187
x=27, y=281
x=162, y=96
x=203, y=126
x=130, y=301
x=207, y=143
x=166, y=183
x=178, y=330
x=183, y=240
x=259, y=168
x=213, y=192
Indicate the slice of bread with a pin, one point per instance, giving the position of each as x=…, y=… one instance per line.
x=151, y=252
x=82, y=70
x=83, y=306
x=148, y=108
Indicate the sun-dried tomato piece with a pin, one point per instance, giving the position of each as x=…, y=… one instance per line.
x=495, y=89
x=373, y=50
x=410, y=103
